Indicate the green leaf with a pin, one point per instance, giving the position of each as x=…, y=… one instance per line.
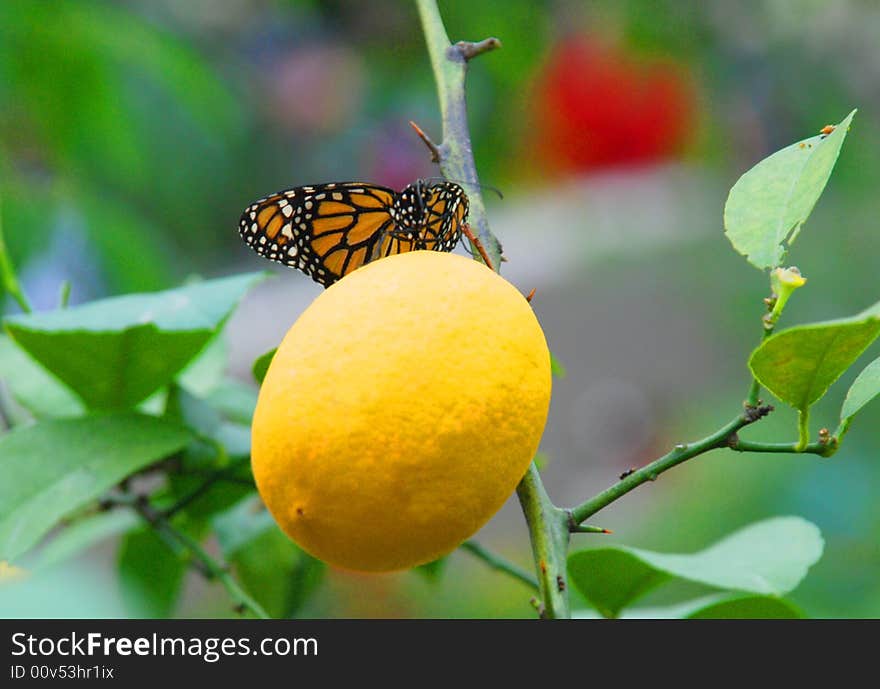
x=612, y=578
x=150, y=574
x=799, y=364
x=115, y=352
x=193, y=412
x=715, y=606
x=748, y=608
x=261, y=365
x=218, y=496
x=770, y=557
x=769, y=203
x=85, y=533
x=50, y=469
x=205, y=373
x=277, y=573
x=557, y=368
x=235, y=439
x=32, y=386
x=245, y=521
x=865, y=388
x=432, y=571
x=234, y=400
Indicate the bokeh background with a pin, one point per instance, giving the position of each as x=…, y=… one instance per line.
x=133, y=133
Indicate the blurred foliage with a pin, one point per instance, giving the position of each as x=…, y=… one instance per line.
x=132, y=133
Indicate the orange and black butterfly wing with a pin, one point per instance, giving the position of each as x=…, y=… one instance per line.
x=326, y=230
x=446, y=210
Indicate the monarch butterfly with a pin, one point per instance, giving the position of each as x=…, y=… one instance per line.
x=329, y=230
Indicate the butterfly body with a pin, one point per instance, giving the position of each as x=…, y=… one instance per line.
x=329, y=230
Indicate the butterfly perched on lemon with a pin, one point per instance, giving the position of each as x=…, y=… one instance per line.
x=329, y=230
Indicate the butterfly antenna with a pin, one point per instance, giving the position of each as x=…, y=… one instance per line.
x=460, y=181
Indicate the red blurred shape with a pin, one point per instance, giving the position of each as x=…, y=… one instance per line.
x=598, y=106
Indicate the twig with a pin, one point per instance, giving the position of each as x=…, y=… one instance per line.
x=64, y=294
x=210, y=480
x=650, y=472
x=470, y=50
x=207, y=565
x=499, y=563
x=435, y=151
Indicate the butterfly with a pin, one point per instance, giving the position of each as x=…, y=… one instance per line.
x=329, y=230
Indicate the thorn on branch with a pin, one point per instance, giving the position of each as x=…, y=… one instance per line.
x=539, y=606
x=531, y=295
x=478, y=245
x=626, y=473
x=469, y=50
x=436, y=154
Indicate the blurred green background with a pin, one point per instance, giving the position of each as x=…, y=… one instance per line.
x=133, y=133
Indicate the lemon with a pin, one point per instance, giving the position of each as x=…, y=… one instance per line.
x=400, y=411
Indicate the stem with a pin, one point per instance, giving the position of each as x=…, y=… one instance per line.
x=456, y=158
x=499, y=563
x=822, y=449
x=210, y=480
x=64, y=295
x=803, y=429
x=548, y=532
x=755, y=389
x=8, y=276
x=723, y=437
x=209, y=567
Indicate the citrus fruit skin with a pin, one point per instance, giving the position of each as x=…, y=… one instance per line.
x=400, y=411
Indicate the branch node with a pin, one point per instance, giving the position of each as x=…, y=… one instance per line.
x=732, y=441
x=436, y=153
x=752, y=414
x=469, y=50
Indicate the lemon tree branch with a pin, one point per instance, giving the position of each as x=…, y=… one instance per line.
x=548, y=530
x=499, y=563
x=549, y=534
x=455, y=154
x=681, y=453
x=201, y=560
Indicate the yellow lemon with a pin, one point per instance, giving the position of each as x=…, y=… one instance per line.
x=400, y=411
